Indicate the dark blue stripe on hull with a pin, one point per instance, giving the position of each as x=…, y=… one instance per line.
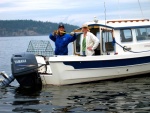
x=107, y=63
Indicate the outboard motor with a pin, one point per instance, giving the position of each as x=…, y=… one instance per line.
x=25, y=69
x=7, y=79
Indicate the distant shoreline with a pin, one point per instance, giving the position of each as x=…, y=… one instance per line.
x=29, y=28
x=24, y=36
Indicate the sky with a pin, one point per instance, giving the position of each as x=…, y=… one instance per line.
x=74, y=12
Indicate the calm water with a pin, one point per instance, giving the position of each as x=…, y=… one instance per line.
x=131, y=95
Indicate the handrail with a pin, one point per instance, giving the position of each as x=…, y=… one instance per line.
x=134, y=20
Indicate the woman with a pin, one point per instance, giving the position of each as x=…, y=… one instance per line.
x=89, y=42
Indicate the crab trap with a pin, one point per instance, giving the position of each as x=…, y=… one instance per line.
x=40, y=47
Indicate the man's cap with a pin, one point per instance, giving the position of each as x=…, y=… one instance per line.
x=85, y=25
x=61, y=25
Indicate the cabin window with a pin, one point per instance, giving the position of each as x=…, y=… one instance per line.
x=126, y=35
x=77, y=47
x=107, y=41
x=96, y=32
x=142, y=34
x=98, y=50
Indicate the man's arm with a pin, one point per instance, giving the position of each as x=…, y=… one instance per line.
x=73, y=36
x=52, y=37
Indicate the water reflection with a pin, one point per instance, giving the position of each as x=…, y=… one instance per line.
x=26, y=100
x=110, y=96
x=127, y=95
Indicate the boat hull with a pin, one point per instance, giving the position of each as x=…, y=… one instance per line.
x=86, y=70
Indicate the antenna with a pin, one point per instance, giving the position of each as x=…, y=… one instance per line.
x=140, y=8
x=119, y=8
x=105, y=12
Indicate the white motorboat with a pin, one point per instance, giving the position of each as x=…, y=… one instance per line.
x=125, y=54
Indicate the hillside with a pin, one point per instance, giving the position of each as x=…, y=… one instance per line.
x=29, y=27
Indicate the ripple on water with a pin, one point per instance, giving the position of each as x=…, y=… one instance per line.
x=127, y=95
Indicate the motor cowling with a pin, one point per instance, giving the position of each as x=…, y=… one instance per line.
x=25, y=69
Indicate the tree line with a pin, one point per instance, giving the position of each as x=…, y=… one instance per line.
x=29, y=27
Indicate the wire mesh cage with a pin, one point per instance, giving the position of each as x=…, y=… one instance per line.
x=40, y=47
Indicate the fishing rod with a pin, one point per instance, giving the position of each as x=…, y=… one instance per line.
x=56, y=32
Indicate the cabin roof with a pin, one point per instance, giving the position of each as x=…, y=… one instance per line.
x=122, y=24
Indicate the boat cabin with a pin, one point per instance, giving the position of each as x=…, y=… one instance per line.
x=118, y=36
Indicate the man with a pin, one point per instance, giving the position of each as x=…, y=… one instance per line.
x=62, y=40
x=89, y=41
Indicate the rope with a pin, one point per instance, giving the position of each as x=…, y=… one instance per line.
x=124, y=48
